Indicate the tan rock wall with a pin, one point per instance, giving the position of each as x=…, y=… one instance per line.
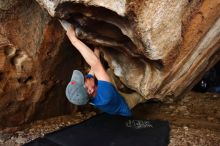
x=33, y=65
x=36, y=59
x=183, y=34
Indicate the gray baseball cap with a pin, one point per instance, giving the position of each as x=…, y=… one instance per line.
x=75, y=90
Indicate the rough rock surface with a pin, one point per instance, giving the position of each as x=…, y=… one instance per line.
x=33, y=66
x=158, y=49
x=184, y=35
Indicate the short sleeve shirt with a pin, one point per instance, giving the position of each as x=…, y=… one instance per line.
x=108, y=100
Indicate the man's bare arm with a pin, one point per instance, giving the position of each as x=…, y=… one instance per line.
x=97, y=53
x=88, y=55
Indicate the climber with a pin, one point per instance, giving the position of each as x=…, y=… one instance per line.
x=81, y=90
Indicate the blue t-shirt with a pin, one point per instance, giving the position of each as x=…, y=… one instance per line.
x=108, y=100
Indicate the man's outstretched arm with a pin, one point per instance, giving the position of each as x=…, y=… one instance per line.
x=97, y=53
x=87, y=53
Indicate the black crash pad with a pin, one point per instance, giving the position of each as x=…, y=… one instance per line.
x=108, y=130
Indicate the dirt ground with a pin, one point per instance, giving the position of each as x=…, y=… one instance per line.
x=194, y=121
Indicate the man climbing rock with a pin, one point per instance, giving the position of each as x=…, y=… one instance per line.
x=81, y=90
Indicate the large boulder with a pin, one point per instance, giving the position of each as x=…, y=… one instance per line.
x=171, y=43
x=35, y=64
x=156, y=49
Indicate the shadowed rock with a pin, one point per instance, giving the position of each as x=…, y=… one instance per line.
x=137, y=37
